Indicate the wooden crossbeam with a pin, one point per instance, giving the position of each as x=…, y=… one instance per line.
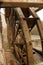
x=21, y=3
x=2, y=55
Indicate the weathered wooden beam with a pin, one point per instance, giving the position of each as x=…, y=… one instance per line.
x=26, y=32
x=22, y=58
x=19, y=54
x=8, y=52
x=10, y=59
x=30, y=21
x=2, y=54
x=26, y=14
x=39, y=25
x=12, y=24
x=24, y=3
x=28, y=41
x=16, y=50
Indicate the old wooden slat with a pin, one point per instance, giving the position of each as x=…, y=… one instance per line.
x=21, y=3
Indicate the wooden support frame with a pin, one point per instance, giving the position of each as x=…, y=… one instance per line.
x=27, y=13
x=39, y=25
x=29, y=3
x=2, y=54
x=28, y=42
x=10, y=20
x=9, y=57
x=25, y=29
x=31, y=22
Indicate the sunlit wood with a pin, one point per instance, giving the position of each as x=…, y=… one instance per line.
x=21, y=3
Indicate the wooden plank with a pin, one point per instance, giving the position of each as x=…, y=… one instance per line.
x=21, y=3
x=2, y=54
x=39, y=25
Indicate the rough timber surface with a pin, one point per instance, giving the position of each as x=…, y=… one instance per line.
x=21, y=3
